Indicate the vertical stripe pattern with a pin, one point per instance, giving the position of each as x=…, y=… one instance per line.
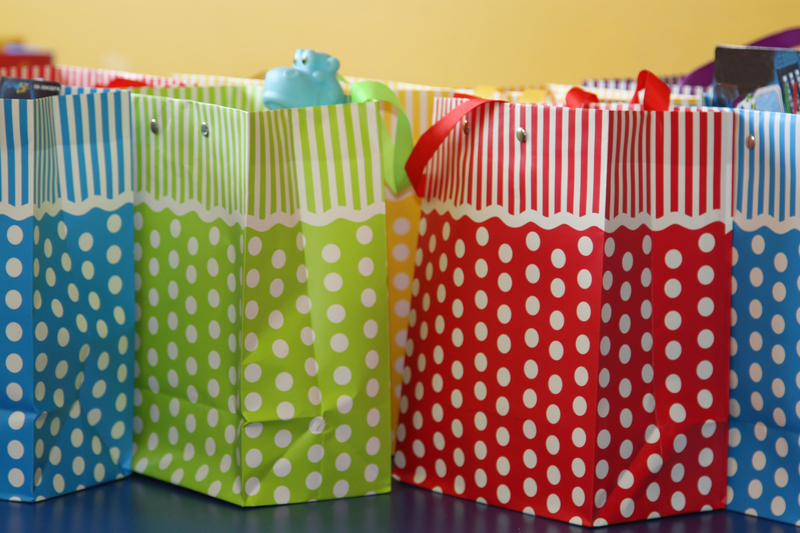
x=211, y=80
x=92, y=77
x=315, y=159
x=416, y=99
x=44, y=72
x=179, y=162
x=244, y=98
x=583, y=161
x=766, y=175
x=68, y=148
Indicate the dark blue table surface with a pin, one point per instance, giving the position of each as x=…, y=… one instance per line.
x=141, y=505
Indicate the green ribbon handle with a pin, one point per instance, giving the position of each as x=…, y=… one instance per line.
x=366, y=91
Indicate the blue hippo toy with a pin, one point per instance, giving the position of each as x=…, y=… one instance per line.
x=310, y=82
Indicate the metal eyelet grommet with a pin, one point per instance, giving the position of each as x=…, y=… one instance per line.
x=750, y=142
x=522, y=135
x=465, y=127
x=204, y=129
x=154, y=126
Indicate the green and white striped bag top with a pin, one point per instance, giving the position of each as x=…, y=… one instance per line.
x=210, y=79
x=244, y=98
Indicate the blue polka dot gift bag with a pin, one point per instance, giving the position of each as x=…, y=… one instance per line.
x=67, y=308
x=764, y=435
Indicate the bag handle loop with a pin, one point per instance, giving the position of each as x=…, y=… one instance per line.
x=366, y=91
x=431, y=140
x=656, y=94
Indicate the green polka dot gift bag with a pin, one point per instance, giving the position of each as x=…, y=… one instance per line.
x=67, y=307
x=261, y=310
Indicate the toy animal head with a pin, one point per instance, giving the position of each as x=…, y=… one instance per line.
x=311, y=82
x=312, y=61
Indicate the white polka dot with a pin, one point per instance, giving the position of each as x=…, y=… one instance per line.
x=366, y=266
x=677, y=413
x=558, y=258
x=626, y=508
x=344, y=404
x=672, y=288
x=400, y=226
x=754, y=489
x=553, y=503
x=757, y=244
x=331, y=253
x=673, y=259
x=673, y=320
x=505, y=253
x=285, y=410
x=706, y=275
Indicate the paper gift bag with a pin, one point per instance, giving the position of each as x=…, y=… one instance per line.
x=764, y=425
x=568, y=352
x=262, y=319
x=402, y=220
x=67, y=314
x=402, y=207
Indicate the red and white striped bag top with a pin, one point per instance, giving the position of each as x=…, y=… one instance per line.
x=583, y=167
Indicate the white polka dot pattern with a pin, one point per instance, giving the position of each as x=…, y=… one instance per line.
x=763, y=452
x=559, y=356
x=66, y=384
x=402, y=218
x=264, y=366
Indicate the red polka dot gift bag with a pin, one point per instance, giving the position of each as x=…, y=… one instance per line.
x=568, y=350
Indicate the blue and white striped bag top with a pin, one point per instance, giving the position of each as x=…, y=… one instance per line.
x=70, y=151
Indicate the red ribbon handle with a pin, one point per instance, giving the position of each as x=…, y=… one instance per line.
x=122, y=83
x=577, y=98
x=656, y=92
x=431, y=140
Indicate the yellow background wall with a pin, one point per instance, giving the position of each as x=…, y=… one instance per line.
x=440, y=42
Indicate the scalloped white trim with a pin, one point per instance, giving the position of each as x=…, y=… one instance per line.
x=190, y=206
x=256, y=223
x=579, y=223
x=316, y=219
x=30, y=209
x=777, y=226
x=17, y=212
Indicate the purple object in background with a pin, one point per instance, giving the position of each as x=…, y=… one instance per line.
x=705, y=75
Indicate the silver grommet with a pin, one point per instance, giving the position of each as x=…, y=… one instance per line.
x=522, y=135
x=204, y=129
x=154, y=126
x=750, y=142
x=465, y=127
